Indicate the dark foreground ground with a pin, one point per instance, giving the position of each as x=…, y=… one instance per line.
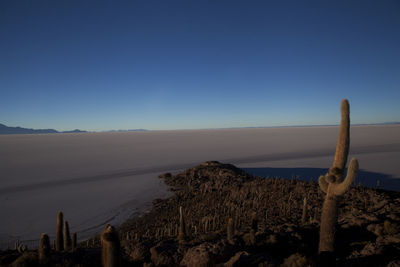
x=267, y=222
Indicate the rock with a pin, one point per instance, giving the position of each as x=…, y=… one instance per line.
x=377, y=229
x=391, y=227
x=198, y=256
x=249, y=239
x=27, y=259
x=235, y=260
x=388, y=240
x=139, y=252
x=272, y=239
x=243, y=258
x=395, y=263
x=221, y=251
x=370, y=249
x=208, y=254
x=296, y=260
x=163, y=254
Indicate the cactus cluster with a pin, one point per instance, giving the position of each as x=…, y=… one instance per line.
x=63, y=240
x=21, y=248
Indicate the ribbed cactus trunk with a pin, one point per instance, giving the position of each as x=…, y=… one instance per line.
x=110, y=247
x=44, y=248
x=328, y=223
x=59, y=232
x=333, y=184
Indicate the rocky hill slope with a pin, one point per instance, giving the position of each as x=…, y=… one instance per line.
x=233, y=219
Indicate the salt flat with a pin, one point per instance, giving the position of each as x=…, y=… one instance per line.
x=96, y=178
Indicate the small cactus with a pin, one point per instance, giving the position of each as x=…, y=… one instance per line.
x=22, y=248
x=110, y=250
x=44, y=248
x=333, y=184
x=59, y=232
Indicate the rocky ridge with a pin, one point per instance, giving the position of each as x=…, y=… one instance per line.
x=267, y=218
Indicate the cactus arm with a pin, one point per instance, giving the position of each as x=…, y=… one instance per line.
x=339, y=189
x=342, y=147
x=323, y=184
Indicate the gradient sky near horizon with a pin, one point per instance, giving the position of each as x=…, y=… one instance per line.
x=100, y=65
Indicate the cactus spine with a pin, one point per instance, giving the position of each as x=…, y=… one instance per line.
x=333, y=184
x=59, y=232
x=182, y=232
x=44, y=248
x=110, y=247
x=67, y=237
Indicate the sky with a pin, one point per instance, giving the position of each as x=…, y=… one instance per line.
x=160, y=65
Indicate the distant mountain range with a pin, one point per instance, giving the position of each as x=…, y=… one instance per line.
x=19, y=130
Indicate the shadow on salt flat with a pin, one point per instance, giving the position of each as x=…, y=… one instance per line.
x=365, y=178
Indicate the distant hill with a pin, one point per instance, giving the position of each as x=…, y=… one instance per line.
x=74, y=131
x=19, y=130
x=130, y=130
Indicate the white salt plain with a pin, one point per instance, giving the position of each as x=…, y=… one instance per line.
x=99, y=178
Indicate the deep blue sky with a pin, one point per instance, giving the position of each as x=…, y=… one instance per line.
x=100, y=65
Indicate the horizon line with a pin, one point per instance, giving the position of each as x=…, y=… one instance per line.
x=194, y=129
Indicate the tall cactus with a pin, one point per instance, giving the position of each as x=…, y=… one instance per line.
x=333, y=184
x=67, y=237
x=59, y=232
x=110, y=250
x=182, y=230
